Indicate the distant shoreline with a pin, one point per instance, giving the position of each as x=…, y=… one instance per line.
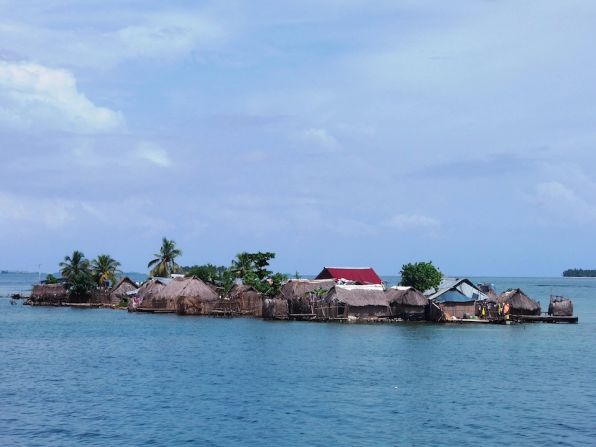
x=579, y=273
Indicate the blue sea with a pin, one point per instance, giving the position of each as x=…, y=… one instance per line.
x=100, y=377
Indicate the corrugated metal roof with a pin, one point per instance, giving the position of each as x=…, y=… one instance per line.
x=456, y=290
x=364, y=275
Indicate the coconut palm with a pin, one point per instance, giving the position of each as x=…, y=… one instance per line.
x=164, y=263
x=74, y=265
x=105, y=268
x=242, y=265
x=76, y=270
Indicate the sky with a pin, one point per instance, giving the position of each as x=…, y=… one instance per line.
x=338, y=133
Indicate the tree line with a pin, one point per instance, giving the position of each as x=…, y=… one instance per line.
x=84, y=276
x=579, y=273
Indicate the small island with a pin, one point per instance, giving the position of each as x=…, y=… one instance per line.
x=579, y=273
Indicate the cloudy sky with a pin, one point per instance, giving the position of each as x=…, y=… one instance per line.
x=331, y=132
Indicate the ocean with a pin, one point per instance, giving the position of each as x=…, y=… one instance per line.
x=101, y=377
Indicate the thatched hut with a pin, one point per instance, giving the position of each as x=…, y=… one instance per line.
x=122, y=289
x=48, y=295
x=519, y=302
x=275, y=309
x=407, y=303
x=185, y=296
x=362, y=302
x=301, y=294
x=148, y=291
x=245, y=300
x=560, y=306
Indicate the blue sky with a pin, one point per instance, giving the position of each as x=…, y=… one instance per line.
x=331, y=132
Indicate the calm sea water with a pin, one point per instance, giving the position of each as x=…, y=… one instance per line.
x=71, y=377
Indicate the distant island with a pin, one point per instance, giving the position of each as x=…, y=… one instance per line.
x=580, y=273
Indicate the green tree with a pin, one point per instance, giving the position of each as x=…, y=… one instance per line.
x=270, y=286
x=164, y=263
x=73, y=265
x=260, y=261
x=227, y=281
x=77, y=271
x=51, y=279
x=105, y=268
x=242, y=265
x=253, y=269
x=82, y=284
x=421, y=276
x=256, y=263
x=208, y=272
x=277, y=280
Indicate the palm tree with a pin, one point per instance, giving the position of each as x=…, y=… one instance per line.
x=76, y=270
x=105, y=268
x=242, y=265
x=74, y=265
x=164, y=263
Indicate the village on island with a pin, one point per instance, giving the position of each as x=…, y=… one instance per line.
x=248, y=288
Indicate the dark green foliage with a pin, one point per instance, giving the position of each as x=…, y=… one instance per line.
x=227, y=281
x=164, y=262
x=252, y=269
x=207, y=272
x=270, y=286
x=77, y=271
x=421, y=276
x=256, y=263
x=51, y=279
x=221, y=276
x=73, y=265
x=123, y=302
x=104, y=268
x=81, y=284
x=580, y=273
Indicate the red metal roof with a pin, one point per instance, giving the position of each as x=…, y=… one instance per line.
x=364, y=275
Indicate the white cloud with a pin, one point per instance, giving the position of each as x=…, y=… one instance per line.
x=562, y=204
x=52, y=213
x=154, y=154
x=406, y=222
x=167, y=35
x=35, y=97
x=113, y=38
x=321, y=138
x=55, y=213
x=88, y=154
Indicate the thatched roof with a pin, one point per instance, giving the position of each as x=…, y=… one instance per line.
x=302, y=288
x=238, y=290
x=560, y=306
x=518, y=300
x=45, y=291
x=150, y=289
x=192, y=288
x=124, y=286
x=409, y=297
x=357, y=296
